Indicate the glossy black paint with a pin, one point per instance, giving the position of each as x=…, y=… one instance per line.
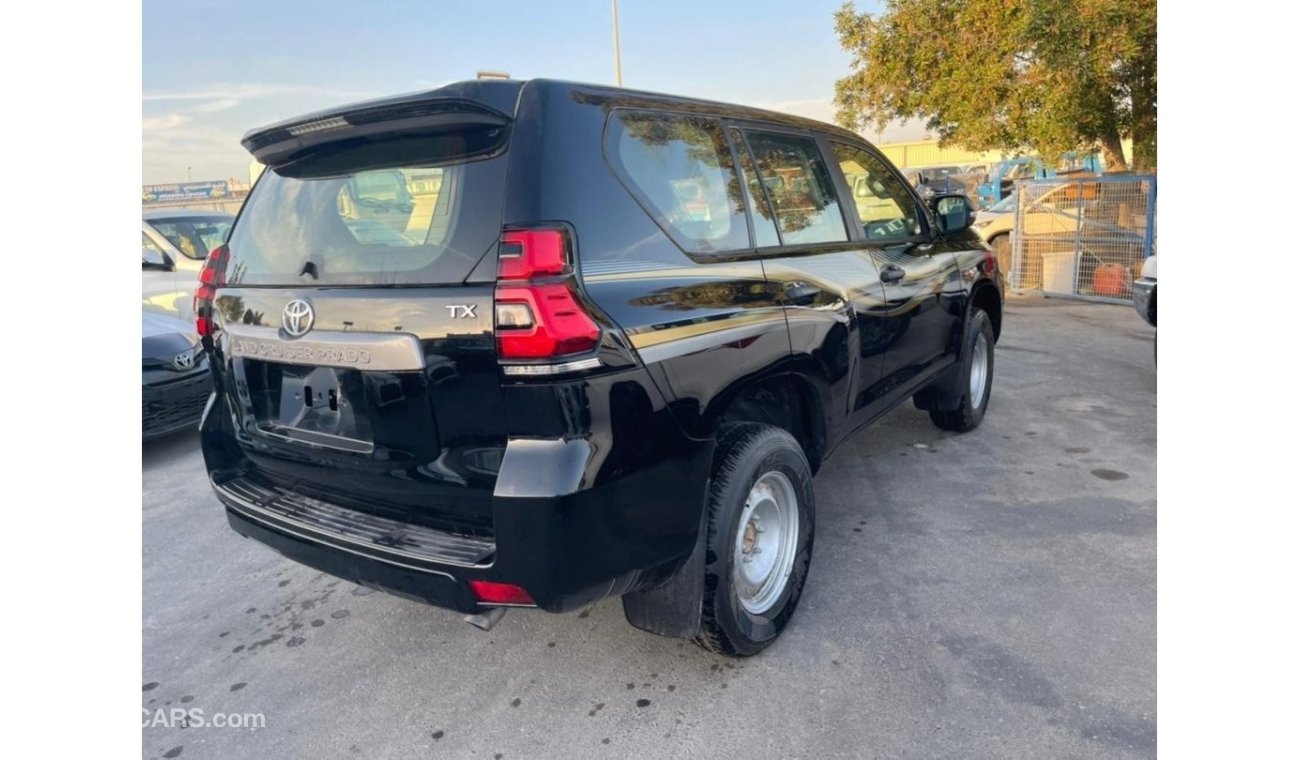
x=594, y=484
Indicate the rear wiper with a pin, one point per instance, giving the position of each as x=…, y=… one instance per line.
x=310, y=268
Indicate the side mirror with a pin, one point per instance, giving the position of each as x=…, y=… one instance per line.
x=954, y=212
x=151, y=258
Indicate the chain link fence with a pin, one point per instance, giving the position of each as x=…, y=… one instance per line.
x=1083, y=237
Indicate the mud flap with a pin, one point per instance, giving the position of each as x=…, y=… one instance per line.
x=944, y=393
x=673, y=609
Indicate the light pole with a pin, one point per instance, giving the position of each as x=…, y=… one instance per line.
x=189, y=175
x=618, y=63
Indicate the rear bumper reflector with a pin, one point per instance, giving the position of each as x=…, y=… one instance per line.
x=492, y=592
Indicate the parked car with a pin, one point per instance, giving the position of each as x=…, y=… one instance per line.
x=630, y=329
x=175, y=377
x=186, y=235
x=1111, y=217
x=1144, y=291
x=175, y=243
x=941, y=180
x=1055, y=212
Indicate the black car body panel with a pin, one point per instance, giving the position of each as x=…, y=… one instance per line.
x=579, y=484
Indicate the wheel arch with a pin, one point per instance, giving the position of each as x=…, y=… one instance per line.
x=985, y=295
x=788, y=399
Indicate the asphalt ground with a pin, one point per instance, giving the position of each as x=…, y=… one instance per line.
x=983, y=595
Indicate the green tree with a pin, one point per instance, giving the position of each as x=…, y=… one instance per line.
x=1047, y=76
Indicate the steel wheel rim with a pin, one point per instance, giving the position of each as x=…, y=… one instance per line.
x=767, y=537
x=979, y=370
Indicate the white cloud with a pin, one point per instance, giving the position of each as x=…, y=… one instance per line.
x=212, y=106
x=247, y=91
x=153, y=124
x=185, y=136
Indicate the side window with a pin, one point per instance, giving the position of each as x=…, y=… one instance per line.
x=799, y=188
x=679, y=168
x=149, y=246
x=885, y=207
x=150, y=253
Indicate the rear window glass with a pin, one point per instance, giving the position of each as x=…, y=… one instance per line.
x=410, y=210
x=194, y=236
x=679, y=168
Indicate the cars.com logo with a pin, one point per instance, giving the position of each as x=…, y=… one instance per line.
x=179, y=717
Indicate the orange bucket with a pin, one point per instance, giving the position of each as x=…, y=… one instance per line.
x=1110, y=280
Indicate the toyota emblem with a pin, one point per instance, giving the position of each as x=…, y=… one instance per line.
x=184, y=361
x=298, y=318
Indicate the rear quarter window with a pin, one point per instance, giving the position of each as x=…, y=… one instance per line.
x=679, y=168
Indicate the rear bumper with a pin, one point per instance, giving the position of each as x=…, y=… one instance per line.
x=430, y=586
x=1144, y=290
x=566, y=551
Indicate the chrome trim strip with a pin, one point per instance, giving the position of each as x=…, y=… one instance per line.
x=279, y=522
x=382, y=352
x=696, y=343
x=646, y=337
x=542, y=370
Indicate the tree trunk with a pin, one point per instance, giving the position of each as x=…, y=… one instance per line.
x=1144, y=127
x=1112, y=152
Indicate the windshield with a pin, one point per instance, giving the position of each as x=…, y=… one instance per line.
x=371, y=214
x=1006, y=205
x=194, y=236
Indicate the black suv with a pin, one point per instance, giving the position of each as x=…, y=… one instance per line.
x=534, y=344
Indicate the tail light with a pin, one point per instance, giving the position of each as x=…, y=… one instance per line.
x=211, y=276
x=539, y=317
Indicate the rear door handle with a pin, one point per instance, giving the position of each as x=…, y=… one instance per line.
x=801, y=295
x=892, y=273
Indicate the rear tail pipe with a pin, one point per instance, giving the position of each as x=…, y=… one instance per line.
x=485, y=621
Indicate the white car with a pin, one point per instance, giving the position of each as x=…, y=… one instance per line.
x=174, y=244
x=1051, y=216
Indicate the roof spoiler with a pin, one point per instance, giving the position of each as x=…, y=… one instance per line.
x=280, y=143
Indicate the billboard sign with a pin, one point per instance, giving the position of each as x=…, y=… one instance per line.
x=186, y=191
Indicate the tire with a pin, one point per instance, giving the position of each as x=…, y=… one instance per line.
x=1001, y=246
x=765, y=467
x=976, y=386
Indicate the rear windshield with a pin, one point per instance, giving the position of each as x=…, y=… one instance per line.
x=402, y=210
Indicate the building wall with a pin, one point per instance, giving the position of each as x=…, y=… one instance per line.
x=928, y=153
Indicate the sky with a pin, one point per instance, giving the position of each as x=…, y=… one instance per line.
x=213, y=69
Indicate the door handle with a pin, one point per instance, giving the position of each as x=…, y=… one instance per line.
x=801, y=295
x=892, y=273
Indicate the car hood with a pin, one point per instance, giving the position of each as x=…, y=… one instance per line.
x=165, y=338
x=156, y=323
